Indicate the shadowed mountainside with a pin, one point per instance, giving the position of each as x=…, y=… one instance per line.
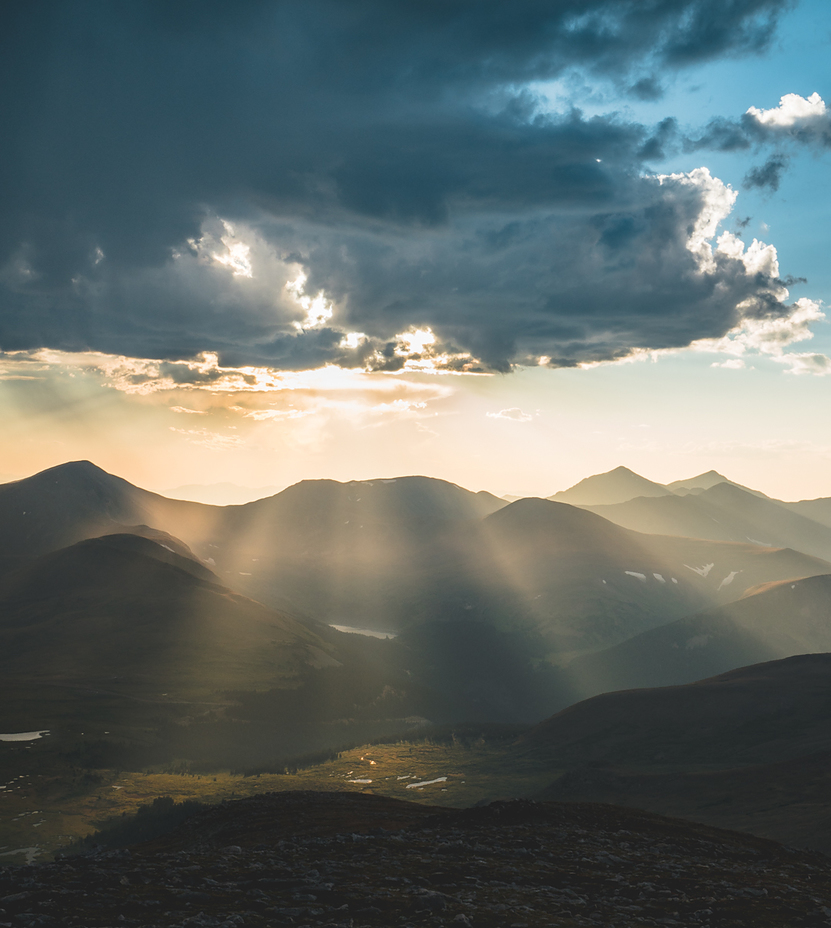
x=390, y=554
x=314, y=546
x=123, y=607
x=817, y=509
x=774, y=621
x=146, y=652
x=71, y=502
x=578, y=580
x=565, y=576
x=351, y=553
x=748, y=749
x=758, y=714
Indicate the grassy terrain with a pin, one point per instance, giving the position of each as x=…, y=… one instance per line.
x=49, y=811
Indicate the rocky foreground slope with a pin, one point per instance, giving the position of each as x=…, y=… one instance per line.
x=333, y=859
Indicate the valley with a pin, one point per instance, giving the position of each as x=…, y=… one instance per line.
x=530, y=650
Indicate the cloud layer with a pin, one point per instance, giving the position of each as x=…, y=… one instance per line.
x=365, y=184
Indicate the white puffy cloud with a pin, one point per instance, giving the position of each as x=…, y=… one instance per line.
x=771, y=336
x=793, y=110
x=716, y=203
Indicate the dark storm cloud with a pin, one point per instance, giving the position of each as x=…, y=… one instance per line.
x=767, y=176
x=586, y=286
x=387, y=148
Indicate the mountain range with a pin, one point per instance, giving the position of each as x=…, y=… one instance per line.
x=392, y=553
x=164, y=629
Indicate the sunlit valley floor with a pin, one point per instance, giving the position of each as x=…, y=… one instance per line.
x=659, y=648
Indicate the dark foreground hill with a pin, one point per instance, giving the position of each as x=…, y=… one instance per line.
x=787, y=801
x=749, y=749
x=331, y=859
x=761, y=714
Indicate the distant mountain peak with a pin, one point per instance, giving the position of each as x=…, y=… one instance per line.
x=614, y=486
x=75, y=467
x=707, y=481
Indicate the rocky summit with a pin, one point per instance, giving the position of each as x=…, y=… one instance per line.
x=335, y=859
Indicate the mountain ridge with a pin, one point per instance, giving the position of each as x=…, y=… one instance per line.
x=614, y=486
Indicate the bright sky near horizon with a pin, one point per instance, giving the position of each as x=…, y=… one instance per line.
x=505, y=245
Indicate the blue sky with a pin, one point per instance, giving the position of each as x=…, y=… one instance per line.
x=326, y=239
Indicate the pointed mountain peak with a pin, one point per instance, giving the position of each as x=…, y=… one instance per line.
x=615, y=486
x=74, y=470
x=80, y=467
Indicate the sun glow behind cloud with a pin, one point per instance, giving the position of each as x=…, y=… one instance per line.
x=193, y=387
x=237, y=257
x=318, y=309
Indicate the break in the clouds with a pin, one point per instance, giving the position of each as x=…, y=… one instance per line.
x=374, y=185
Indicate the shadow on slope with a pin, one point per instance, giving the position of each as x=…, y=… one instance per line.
x=749, y=749
x=391, y=554
x=123, y=608
x=757, y=714
x=774, y=621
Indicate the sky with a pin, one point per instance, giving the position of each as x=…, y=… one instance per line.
x=508, y=245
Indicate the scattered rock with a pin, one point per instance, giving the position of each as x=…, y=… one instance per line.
x=290, y=859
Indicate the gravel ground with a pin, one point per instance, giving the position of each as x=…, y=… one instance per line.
x=352, y=860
